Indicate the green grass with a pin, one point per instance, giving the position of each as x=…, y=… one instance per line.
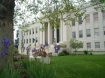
x=79, y=66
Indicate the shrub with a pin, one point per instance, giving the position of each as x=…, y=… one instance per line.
x=75, y=44
x=61, y=54
x=36, y=69
x=65, y=52
x=62, y=45
x=91, y=53
x=85, y=52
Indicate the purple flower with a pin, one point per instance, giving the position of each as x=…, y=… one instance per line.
x=5, y=46
x=34, y=50
x=57, y=48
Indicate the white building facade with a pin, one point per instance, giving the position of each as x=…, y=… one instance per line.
x=91, y=31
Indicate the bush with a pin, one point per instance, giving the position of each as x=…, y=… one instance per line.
x=85, y=52
x=91, y=53
x=65, y=52
x=61, y=54
x=36, y=69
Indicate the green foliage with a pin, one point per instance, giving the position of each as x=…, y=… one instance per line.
x=35, y=69
x=91, y=53
x=62, y=45
x=8, y=72
x=61, y=54
x=75, y=44
x=86, y=52
x=99, y=4
x=66, y=52
x=52, y=11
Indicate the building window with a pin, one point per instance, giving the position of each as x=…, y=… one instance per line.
x=103, y=15
x=104, y=30
x=73, y=34
x=36, y=39
x=95, y=16
x=30, y=40
x=30, y=31
x=24, y=41
x=97, y=44
x=36, y=30
x=87, y=18
x=96, y=31
x=80, y=34
x=33, y=40
x=73, y=23
x=104, y=44
x=88, y=34
x=80, y=20
x=88, y=45
x=27, y=40
x=33, y=30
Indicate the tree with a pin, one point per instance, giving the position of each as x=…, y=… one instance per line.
x=6, y=24
x=75, y=44
x=52, y=11
x=99, y=4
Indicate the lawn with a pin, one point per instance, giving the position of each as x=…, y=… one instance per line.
x=79, y=66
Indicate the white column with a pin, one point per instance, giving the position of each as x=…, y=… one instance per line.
x=43, y=39
x=55, y=35
x=61, y=31
x=49, y=34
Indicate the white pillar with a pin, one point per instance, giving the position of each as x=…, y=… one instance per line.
x=41, y=37
x=61, y=31
x=55, y=35
x=43, y=33
x=49, y=34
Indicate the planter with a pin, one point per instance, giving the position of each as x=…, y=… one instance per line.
x=45, y=60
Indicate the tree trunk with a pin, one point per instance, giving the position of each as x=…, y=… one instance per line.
x=6, y=24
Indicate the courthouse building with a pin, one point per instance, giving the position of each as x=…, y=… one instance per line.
x=91, y=31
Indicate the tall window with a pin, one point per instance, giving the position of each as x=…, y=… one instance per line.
x=80, y=34
x=89, y=45
x=73, y=34
x=103, y=15
x=96, y=31
x=104, y=30
x=97, y=44
x=95, y=16
x=30, y=40
x=87, y=18
x=33, y=40
x=24, y=41
x=88, y=34
x=36, y=39
x=73, y=23
x=33, y=30
x=36, y=30
x=80, y=20
x=30, y=31
x=104, y=44
x=27, y=40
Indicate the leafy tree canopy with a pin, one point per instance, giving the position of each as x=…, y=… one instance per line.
x=51, y=11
